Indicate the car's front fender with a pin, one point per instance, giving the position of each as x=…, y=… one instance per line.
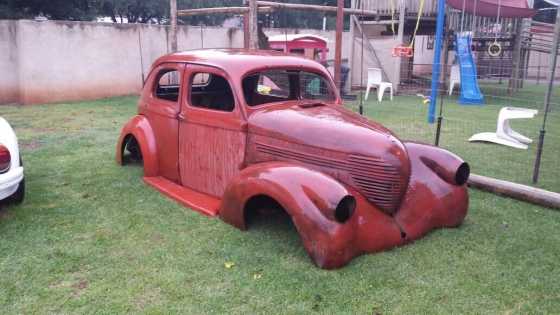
x=139, y=127
x=311, y=199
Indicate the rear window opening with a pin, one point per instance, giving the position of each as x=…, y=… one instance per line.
x=211, y=91
x=284, y=85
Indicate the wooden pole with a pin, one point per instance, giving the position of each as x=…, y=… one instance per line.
x=246, y=34
x=352, y=46
x=312, y=7
x=517, y=191
x=253, y=25
x=338, y=44
x=400, y=38
x=173, y=16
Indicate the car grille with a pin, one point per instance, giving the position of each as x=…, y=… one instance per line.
x=376, y=179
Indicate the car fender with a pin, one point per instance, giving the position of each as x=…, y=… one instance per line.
x=308, y=196
x=141, y=129
x=9, y=139
x=434, y=197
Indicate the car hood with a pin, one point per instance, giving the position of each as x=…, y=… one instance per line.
x=347, y=146
x=329, y=127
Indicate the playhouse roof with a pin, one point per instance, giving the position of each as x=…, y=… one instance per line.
x=507, y=8
x=297, y=37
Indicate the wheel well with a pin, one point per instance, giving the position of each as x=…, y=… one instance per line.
x=262, y=205
x=131, y=145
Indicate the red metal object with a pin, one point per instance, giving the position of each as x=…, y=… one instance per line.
x=403, y=51
x=508, y=8
x=349, y=185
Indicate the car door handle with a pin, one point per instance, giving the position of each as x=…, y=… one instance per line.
x=180, y=117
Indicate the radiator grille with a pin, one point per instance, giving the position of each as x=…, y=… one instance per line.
x=377, y=180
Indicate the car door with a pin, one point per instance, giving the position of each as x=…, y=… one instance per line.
x=212, y=131
x=162, y=106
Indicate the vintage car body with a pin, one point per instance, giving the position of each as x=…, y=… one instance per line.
x=12, y=183
x=349, y=185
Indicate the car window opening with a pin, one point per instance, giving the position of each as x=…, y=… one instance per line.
x=282, y=85
x=211, y=91
x=167, y=87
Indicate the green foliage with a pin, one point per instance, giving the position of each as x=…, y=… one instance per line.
x=135, y=11
x=145, y=11
x=74, y=10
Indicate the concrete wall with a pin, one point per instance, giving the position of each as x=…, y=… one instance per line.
x=9, y=72
x=42, y=62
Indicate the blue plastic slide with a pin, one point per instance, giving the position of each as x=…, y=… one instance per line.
x=470, y=92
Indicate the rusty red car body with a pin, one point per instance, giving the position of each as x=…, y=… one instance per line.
x=349, y=185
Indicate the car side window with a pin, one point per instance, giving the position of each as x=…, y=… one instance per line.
x=167, y=85
x=211, y=91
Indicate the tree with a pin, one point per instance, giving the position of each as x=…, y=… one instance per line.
x=74, y=10
x=135, y=11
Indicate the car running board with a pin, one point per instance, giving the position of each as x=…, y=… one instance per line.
x=203, y=203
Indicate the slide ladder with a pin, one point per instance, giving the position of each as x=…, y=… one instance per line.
x=470, y=91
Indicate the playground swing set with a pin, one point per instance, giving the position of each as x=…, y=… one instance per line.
x=464, y=36
x=406, y=51
x=470, y=91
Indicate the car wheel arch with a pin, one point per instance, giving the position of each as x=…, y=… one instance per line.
x=139, y=129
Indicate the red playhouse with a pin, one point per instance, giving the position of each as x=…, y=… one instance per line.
x=311, y=46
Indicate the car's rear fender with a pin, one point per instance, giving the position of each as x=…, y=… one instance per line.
x=139, y=127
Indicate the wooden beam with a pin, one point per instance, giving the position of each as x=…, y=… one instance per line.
x=173, y=33
x=224, y=10
x=221, y=10
x=338, y=44
x=253, y=25
x=312, y=7
x=400, y=39
x=517, y=191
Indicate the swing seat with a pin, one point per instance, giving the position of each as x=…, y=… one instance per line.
x=403, y=51
x=504, y=135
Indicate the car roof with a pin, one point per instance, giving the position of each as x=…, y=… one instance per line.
x=241, y=61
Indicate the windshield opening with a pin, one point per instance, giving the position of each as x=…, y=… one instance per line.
x=285, y=85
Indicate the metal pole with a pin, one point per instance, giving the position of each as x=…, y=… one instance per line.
x=173, y=16
x=442, y=96
x=338, y=43
x=440, y=23
x=549, y=91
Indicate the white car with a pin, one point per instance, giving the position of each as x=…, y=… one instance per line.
x=12, y=183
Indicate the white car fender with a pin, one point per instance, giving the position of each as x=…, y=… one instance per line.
x=10, y=181
x=9, y=140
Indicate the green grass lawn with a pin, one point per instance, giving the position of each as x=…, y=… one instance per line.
x=91, y=237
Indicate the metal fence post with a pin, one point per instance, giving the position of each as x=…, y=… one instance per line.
x=549, y=91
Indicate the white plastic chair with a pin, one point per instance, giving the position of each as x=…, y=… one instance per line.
x=375, y=79
x=504, y=135
x=454, y=78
